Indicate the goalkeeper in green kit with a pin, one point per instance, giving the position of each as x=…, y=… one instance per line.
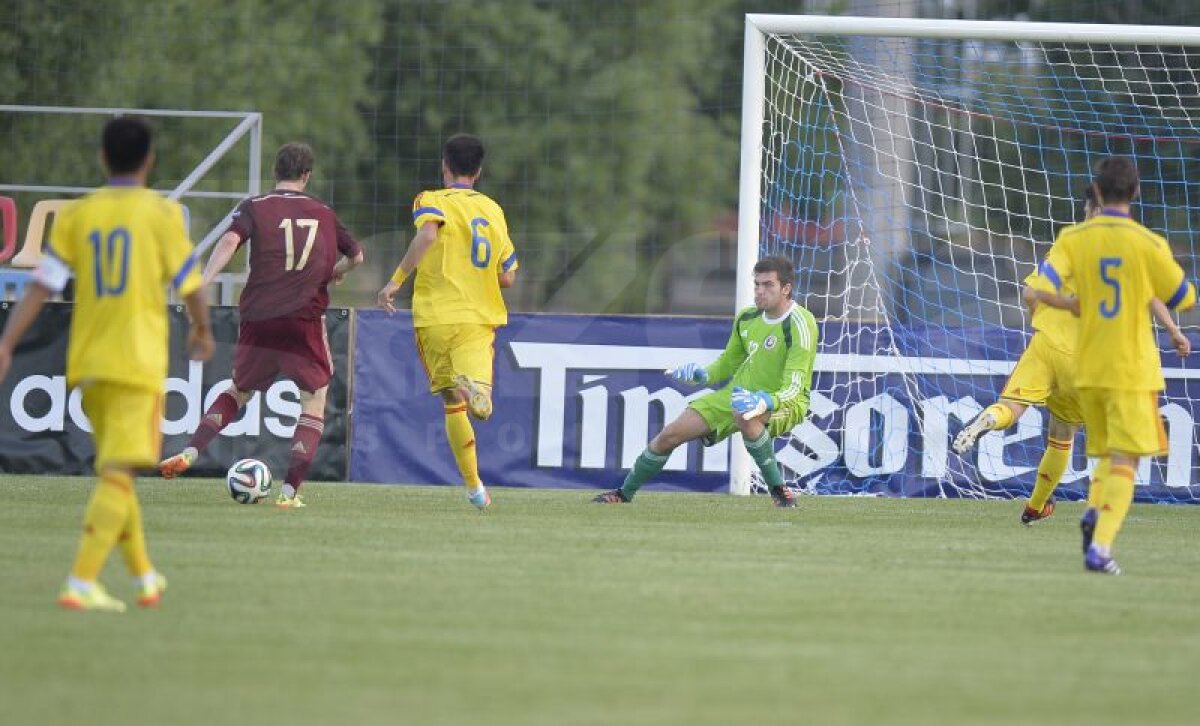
x=768, y=366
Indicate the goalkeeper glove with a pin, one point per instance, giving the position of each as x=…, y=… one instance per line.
x=693, y=373
x=751, y=403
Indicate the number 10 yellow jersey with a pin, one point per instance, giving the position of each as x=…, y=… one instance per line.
x=124, y=246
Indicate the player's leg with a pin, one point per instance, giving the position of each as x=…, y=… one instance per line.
x=1101, y=527
x=688, y=426
x=106, y=516
x=125, y=425
x=436, y=347
x=221, y=413
x=1060, y=436
x=1028, y=385
x=305, y=359
x=473, y=356
x=1135, y=429
x=1095, y=427
x=305, y=440
x=460, y=434
x=142, y=445
x=761, y=447
x=996, y=417
x=255, y=366
x=777, y=424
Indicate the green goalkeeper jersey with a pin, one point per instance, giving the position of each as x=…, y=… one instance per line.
x=772, y=355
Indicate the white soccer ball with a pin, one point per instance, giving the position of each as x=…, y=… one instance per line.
x=249, y=481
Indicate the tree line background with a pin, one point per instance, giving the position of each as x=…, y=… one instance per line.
x=612, y=126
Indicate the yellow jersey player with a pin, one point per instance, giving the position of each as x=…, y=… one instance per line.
x=1043, y=376
x=461, y=257
x=125, y=244
x=1116, y=267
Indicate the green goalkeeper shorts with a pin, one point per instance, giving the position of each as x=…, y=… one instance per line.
x=717, y=411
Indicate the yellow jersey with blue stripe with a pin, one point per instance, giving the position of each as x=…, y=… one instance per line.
x=457, y=279
x=125, y=245
x=1059, y=328
x=1117, y=267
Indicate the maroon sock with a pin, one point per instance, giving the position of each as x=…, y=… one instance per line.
x=304, y=448
x=220, y=414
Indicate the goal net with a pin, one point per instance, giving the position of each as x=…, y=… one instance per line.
x=916, y=172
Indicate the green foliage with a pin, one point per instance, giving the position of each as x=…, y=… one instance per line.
x=303, y=63
x=593, y=114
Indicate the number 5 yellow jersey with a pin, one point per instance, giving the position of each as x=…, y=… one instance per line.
x=1117, y=267
x=457, y=279
x=124, y=244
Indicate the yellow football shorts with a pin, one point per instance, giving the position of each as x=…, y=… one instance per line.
x=126, y=423
x=1127, y=422
x=457, y=349
x=1042, y=377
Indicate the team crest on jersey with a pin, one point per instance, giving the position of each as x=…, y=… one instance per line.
x=769, y=343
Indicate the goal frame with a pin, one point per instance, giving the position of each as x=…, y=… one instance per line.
x=754, y=63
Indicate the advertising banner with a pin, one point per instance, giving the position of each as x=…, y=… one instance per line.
x=577, y=398
x=44, y=430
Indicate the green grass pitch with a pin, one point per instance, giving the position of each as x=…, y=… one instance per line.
x=403, y=605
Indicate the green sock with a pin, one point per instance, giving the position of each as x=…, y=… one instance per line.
x=762, y=450
x=648, y=465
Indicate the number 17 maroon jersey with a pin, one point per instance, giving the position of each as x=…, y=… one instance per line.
x=295, y=240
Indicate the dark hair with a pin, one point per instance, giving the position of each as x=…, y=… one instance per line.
x=1117, y=178
x=126, y=143
x=293, y=161
x=463, y=154
x=781, y=266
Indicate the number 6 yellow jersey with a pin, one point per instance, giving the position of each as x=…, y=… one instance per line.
x=1116, y=267
x=125, y=245
x=457, y=279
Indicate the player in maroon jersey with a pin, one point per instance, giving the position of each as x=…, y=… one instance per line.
x=295, y=241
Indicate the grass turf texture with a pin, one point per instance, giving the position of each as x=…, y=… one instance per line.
x=405, y=605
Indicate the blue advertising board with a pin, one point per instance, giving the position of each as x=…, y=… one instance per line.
x=578, y=397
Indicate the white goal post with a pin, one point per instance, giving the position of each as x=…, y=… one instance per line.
x=914, y=171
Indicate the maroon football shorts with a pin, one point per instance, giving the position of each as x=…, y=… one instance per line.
x=297, y=348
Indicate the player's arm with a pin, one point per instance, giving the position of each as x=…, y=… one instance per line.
x=180, y=266
x=50, y=277
x=1029, y=297
x=506, y=262
x=345, y=265
x=221, y=255
x=241, y=228
x=723, y=368
x=1047, y=286
x=1168, y=280
x=417, y=249
x=1183, y=346
x=352, y=253
x=200, y=340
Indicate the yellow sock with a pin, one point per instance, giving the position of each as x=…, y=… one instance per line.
x=1118, y=495
x=133, y=541
x=462, y=443
x=1099, y=477
x=1050, y=470
x=106, y=515
x=1002, y=415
